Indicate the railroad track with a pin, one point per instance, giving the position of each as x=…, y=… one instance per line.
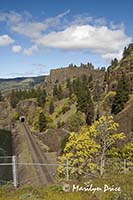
x=42, y=170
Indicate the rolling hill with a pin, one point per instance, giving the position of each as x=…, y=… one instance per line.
x=6, y=85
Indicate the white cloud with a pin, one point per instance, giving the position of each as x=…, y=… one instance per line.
x=5, y=40
x=30, y=29
x=81, y=32
x=25, y=24
x=84, y=19
x=16, y=48
x=10, y=17
x=31, y=50
x=97, y=39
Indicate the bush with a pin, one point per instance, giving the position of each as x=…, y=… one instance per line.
x=65, y=108
x=60, y=124
x=15, y=116
x=108, y=100
x=75, y=121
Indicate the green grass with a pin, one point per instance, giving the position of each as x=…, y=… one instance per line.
x=55, y=192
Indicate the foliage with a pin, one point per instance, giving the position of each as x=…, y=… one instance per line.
x=79, y=150
x=114, y=62
x=128, y=151
x=126, y=52
x=107, y=136
x=60, y=124
x=42, y=122
x=5, y=150
x=51, y=107
x=41, y=97
x=83, y=149
x=17, y=95
x=75, y=121
x=50, y=122
x=122, y=95
x=63, y=143
x=16, y=116
x=70, y=87
x=108, y=100
x=1, y=97
x=55, y=192
x=58, y=92
x=97, y=91
x=84, y=101
x=65, y=107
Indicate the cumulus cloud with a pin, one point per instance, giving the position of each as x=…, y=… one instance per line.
x=16, y=48
x=97, y=39
x=31, y=50
x=5, y=40
x=78, y=33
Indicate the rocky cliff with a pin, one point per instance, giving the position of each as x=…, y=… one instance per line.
x=125, y=66
x=60, y=75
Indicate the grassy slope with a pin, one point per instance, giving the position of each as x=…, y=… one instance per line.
x=56, y=193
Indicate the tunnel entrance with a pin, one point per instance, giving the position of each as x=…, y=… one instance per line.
x=22, y=119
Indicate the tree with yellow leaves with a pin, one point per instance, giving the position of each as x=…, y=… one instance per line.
x=83, y=149
x=79, y=150
x=107, y=136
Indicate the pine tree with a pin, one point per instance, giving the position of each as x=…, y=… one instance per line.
x=122, y=95
x=41, y=97
x=55, y=90
x=51, y=107
x=1, y=97
x=69, y=86
x=60, y=92
x=114, y=62
x=42, y=122
x=85, y=104
x=14, y=99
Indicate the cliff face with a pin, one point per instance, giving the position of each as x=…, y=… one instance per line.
x=125, y=66
x=62, y=74
x=125, y=119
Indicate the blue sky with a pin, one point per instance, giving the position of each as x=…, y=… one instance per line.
x=38, y=35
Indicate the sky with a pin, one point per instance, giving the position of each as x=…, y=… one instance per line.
x=39, y=35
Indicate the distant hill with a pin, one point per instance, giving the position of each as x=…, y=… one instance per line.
x=7, y=84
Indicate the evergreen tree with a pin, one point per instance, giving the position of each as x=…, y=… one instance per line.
x=41, y=97
x=55, y=90
x=60, y=92
x=122, y=95
x=1, y=97
x=42, y=122
x=85, y=104
x=84, y=80
x=51, y=107
x=125, y=52
x=69, y=86
x=76, y=85
x=114, y=62
x=14, y=99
